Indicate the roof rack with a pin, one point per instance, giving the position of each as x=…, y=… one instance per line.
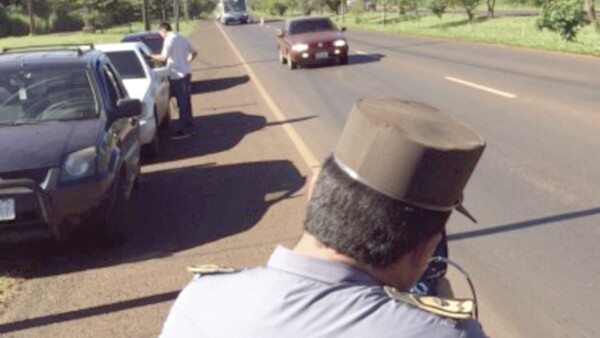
x=50, y=48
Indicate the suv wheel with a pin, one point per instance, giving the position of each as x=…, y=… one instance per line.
x=112, y=218
x=153, y=148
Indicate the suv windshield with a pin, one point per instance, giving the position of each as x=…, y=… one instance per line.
x=234, y=6
x=34, y=96
x=312, y=25
x=127, y=64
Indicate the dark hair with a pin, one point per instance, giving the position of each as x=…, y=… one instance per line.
x=165, y=25
x=359, y=222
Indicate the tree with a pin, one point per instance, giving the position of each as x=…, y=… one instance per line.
x=470, y=6
x=334, y=5
x=591, y=10
x=438, y=7
x=490, y=8
x=565, y=17
x=31, y=14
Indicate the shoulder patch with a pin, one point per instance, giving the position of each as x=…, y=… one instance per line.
x=211, y=269
x=447, y=308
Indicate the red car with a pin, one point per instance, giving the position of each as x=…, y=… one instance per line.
x=311, y=39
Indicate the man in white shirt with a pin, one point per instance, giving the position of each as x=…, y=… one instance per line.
x=178, y=52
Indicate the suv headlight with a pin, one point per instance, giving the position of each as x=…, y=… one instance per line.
x=79, y=164
x=339, y=43
x=300, y=47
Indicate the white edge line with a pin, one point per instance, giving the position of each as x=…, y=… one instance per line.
x=480, y=87
x=307, y=155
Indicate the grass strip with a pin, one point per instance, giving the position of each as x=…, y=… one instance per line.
x=110, y=35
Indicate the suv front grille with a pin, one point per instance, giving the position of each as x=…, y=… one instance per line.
x=37, y=175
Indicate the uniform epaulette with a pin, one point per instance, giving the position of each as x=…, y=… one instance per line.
x=211, y=269
x=448, y=308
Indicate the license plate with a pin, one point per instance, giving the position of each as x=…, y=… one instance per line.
x=7, y=210
x=321, y=55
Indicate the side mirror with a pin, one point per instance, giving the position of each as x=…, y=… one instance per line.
x=129, y=107
x=343, y=29
x=279, y=33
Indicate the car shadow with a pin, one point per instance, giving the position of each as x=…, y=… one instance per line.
x=182, y=201
x=215, y=85
x=171, y=210
x=353, y=59
x=357, y=59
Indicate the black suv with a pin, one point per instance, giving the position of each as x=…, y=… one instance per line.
x=69, y=142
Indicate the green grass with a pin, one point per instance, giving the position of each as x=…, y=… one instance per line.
x=519, y=31
x=512, y=31
x=110, y=35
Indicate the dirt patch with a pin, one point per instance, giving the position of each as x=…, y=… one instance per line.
x=9, y=286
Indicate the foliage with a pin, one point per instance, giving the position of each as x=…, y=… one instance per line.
x=438, y=7
x=11, y=24
x=565, y=17
x=333, y=5
x=199, y=7
x=470, y=6
x=404, y=5
x=305, y=6
x=279, y=8
x=63, y=18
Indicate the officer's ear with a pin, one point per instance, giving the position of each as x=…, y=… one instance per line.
x=424, y=251
x=312, y=183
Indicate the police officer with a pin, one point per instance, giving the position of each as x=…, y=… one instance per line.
x=376, y=216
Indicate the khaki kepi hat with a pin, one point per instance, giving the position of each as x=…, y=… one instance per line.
x=409, y=151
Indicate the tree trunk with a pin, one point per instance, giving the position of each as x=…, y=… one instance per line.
x=145, y=16
x=590, y=9
x=31, y=17
x=490, y=8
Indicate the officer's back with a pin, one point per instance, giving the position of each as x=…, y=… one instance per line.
x=376, y=216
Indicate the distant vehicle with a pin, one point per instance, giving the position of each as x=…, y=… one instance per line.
x=146, y=82
x=69, y=143
x=311, y=39
x=152, y=39
x=232, y=11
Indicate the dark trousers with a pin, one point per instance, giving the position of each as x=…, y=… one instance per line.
x=181, y=89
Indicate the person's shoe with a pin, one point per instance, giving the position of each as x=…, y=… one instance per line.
x=180, y=135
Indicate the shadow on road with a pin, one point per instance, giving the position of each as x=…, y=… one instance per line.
x=216, y=133
x=357, y=59
x=524, y=224
x=85, y=313
x=215, y=85
x=236, y=64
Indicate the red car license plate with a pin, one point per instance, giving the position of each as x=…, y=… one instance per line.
x=321, y=55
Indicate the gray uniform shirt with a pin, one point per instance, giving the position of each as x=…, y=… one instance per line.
x=300, y=296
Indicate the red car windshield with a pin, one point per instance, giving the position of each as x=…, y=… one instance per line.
x=311, y=26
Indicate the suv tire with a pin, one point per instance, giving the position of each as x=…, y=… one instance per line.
x=112, y=216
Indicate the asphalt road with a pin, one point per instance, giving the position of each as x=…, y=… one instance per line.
x=534, y=254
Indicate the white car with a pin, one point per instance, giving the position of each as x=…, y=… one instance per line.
x=145, y=82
